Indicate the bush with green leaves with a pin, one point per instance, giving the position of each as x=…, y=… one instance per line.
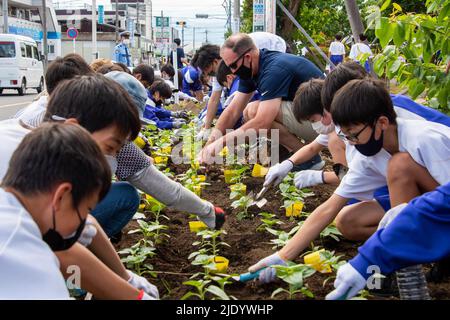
x=416, y=49
x=242, y=204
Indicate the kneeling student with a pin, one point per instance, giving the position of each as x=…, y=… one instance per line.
x=56, y=176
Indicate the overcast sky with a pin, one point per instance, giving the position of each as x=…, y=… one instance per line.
x=186, y=10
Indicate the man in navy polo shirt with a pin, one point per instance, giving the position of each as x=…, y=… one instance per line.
x=276, y=76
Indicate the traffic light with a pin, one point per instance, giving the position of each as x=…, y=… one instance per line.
x=181, y=23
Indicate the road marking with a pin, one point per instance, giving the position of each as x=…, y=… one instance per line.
x=14, y=104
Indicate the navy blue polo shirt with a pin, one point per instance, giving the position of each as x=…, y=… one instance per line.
x=280, y=75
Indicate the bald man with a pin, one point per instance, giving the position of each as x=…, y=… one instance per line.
x=276, y=76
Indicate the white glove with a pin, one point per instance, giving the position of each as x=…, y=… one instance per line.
x=308, y=178
x=206, y=99
x=203, y=135
x=88, y=233
x=268, y=274
x=348, y=283
x=210, y=219
x=178, y=123
x=147, y=297
x=142, y=284
x=277, y=172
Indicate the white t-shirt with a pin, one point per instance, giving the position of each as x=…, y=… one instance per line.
x=428, y=143
x=34, y=108
x=11, y=133
x=262, y=40
x=358, y=49
x=28, y=268
x=337, y=48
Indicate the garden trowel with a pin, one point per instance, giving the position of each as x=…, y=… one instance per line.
x=247, y=276
x=257, y=200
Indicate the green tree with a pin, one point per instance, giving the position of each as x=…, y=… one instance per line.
x=416, y=49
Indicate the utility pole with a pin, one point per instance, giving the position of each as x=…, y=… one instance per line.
x=193, y=39
x=44, y=33
x=355, y=18
x=117, y=21
x=236, y=16
x=5, y=16
x=182, y=35
x=206, y=36
x=138, y=29
x=94, y=29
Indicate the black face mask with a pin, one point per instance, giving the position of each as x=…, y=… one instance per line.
x=244, y=72
x=56, y=242
x=212, y=74
x=373, y=146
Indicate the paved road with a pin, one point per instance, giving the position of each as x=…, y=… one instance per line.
x=11, y=102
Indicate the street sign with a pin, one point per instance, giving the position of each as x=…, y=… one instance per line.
x=101, y=14
x=72, y=33
x=159, y=21
x=258, y=15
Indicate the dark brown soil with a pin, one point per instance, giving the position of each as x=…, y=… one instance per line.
x=247, y=245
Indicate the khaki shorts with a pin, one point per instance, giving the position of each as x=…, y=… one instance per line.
x=302, y=130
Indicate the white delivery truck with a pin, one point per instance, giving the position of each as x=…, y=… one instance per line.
x=20, y=64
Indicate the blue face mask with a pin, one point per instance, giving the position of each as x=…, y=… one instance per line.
x=373, y=146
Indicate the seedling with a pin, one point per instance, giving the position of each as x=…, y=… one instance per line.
x=282, y=236
x=202, y=289
x=136, y=256
x=268, y=220
x=242, y=204
x=293, y=197
x=151, y=230
x=330, y=231
x=238, y=190
x=294, y=275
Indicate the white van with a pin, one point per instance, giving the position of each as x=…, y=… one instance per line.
x=20, y=64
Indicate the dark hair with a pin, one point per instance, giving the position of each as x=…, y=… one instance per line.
x=67, y=67
x=177, y=41
x=239, y=43
x=168, y=68
x=337, y=78
x=307, y=100
x=206, y=55
x=362, y=37
x=97, y=103
x=362, y=102
x=162, y=88
x=57, y=153
x=109, y=67
x=222, y=72
x=147, y=73
x=338, y=37
x=123, y=67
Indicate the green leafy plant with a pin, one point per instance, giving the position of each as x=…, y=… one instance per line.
x=282, y=236
x=202, y=288
x=137, y=255
x=294, y=275
x=268, y=220
x=242, y=204
x=415, y=49
x=290, y=193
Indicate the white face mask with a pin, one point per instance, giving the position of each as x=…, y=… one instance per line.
x=320, y=128
x=126, y=41
x=112, y=161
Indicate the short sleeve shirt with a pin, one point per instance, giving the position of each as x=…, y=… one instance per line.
x=280, y=75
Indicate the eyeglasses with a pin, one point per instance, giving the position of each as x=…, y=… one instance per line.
x=234, y=64
x=353, y=137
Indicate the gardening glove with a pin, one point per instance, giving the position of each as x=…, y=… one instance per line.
x=180, y=114
x=203, y=135
x=147, y=297
x=215, y=219
x=141, y=283
x=268, y=274
x=348, y=283
x=88, y=233
x=178, y=123
x=277, y=173
x=308, y=178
